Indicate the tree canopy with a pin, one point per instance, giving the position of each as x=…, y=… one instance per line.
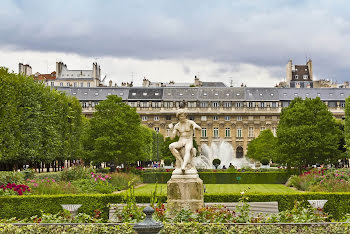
x=264, y=146
x=37, y=124
x=115, y=134
x=307, y=134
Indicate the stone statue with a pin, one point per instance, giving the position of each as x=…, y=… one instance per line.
x=183, y=149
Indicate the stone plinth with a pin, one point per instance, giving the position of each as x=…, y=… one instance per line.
x=185, y=192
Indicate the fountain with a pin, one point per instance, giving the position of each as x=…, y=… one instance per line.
x=223, y=151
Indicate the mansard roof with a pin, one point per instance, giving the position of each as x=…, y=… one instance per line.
x=206, y=93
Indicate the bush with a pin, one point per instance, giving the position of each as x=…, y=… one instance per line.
x=48, y=175
x=91, y=186
x=216, y=162
x=11, y=177
x=268, y=177
x=76, y=173
x=50, y=186
x=265, y=161
x=121, y=180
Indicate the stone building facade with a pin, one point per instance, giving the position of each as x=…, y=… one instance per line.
x=232, y=114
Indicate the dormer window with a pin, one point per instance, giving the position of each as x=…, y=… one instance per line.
x=144, y=94
x=96, y=94
x=121, y=94
x=216, y=94
x=305, y=69
x=204, y=94
x=238, y=94
x=180, y=94
x=305, y=77
x=156, y=94
x=227, y=94
x=296, y=77
x=133, y=94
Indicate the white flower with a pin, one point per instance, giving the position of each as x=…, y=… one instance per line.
x=242, y=193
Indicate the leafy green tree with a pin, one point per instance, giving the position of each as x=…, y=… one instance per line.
x=37, y=124
x=115, y=134
x=158, y=141
x=307, y=134
x=264, y=146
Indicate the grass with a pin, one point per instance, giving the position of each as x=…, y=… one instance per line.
x=222, y=188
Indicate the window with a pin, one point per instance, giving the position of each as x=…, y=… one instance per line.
x=204, y=132
x=81, y=84
x=156, y=104
x=61, y=84
x=262, y=129
x=274, y=131
x=85, y=104
x=274, y=104
x=215, y=104
x=88, y=84
x=68, y=84
x=262, y=104
x=168, y=117
x=216, y=132
x=133, y=94
x=75, y=84
x=144, y=118
x=227, y=118
x=341, y=94
x=227, y=104
x=305, y=77
x=191, y=117
x=52, y=83
x=239, y=118
x=156, y=129
x=227, y=132
x=238, y=105
x=108, y=94
x=204, y=104
x=250, y=104
x=156, y=94
x=250, y=132
x=168, y=104
x=203, y=118
x=239, y=132
x=296, y=77
x=156, y=118
x=121, y=94
x=144, y=94
x=133, y=104
x=144, y=104
x=96, y=94
x=342, y=104
x=215, y=117
x=192, y=104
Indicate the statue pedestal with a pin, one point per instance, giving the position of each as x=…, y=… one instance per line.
x=185, y=192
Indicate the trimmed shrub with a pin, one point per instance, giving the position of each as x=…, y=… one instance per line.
x=216, y=162
x=265, y=161
x=271, y=177
x=26, y=206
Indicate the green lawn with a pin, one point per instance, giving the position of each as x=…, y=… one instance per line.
x=222, y=188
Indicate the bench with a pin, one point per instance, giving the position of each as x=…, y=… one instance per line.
x=255, y=208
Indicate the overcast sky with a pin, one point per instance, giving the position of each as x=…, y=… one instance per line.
x=246, y=41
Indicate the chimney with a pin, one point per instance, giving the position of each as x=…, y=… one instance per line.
x=197, y=81
x=110, y=83
x=309, y=66
x=24, y=69
x=59, y=66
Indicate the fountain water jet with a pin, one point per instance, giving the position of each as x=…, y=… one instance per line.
x=221, y=150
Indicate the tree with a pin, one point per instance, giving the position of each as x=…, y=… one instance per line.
x=264, y=146
x=115, y=134
x=307, y=134
x=37, y=123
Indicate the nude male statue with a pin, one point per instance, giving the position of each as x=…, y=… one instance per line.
x=183, y=149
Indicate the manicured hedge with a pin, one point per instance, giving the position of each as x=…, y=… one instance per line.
x=279, y=177
x=181, y=228
x=26, y=206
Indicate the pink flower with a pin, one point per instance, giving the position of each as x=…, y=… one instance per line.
x=35, y=185
x=95, y=179
x=103, y=179
x=53, y=180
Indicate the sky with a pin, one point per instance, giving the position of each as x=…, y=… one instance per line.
x=238, y=41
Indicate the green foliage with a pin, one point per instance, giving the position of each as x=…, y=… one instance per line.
x=307, y=134
x=122, y=180
x=50, y=186
x=115, y=134
x=265, y=161
x=11, y=177
x=331, y=180
x=166, y=153
x=338, y=204
x=90, y=229
x=193, y=227
x=75, y=173
x=264, y=146
x=216, y=162
x=160, y=141
x=37, y=123
x=271, y=177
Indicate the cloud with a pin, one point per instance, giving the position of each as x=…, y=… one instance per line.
x=264, y=34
